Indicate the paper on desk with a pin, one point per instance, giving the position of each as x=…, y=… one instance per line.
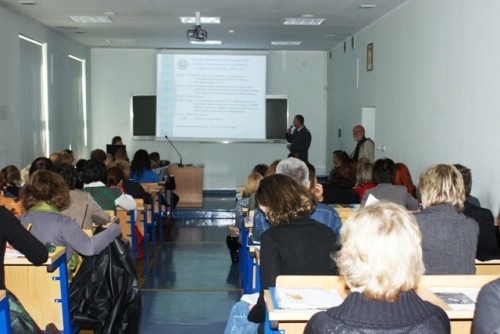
x=371, y=200
x=307, y=298
x=250, y=298
x=457, y=298
x=11, y=253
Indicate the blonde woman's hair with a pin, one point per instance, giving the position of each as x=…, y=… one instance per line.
x=442, y=184
x=381, y=252
x=364, y=173
x=252, y=183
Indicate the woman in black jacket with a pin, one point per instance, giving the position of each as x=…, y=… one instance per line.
x=294, y=245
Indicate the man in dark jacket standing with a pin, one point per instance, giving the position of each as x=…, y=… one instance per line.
x=299, y=139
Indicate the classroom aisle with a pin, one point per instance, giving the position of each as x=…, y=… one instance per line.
x=192, y=284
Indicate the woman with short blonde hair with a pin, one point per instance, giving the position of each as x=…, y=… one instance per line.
x=449, y=238
x=252, y=183
x=442, y=184
x=381, y=261
x=376, y=241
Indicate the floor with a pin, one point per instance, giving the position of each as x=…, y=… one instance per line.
x=192, y=283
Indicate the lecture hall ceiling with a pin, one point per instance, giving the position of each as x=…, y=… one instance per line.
x=246, y=25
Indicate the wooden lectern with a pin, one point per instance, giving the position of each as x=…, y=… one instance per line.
x=189, y=185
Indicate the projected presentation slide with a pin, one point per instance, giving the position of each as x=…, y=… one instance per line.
x=211, y=96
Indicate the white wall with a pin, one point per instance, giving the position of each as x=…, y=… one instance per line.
x=435, y=85
x=58, y=48
x=119, y=73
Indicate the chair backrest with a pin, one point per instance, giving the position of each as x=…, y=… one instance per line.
x=150, y=186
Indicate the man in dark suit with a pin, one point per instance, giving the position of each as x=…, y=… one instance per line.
x=299, y=139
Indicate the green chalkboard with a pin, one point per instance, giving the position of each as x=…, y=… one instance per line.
x=144, y=115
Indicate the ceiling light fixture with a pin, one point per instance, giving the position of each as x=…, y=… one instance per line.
x=91, y=19
x=286, y=43
x=299, y=21
x=367, y=6
x=204, y=20
x=210, y=42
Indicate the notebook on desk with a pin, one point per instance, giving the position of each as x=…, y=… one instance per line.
x=306, y=298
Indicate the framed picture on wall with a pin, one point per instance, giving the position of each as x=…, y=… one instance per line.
x=369, y=57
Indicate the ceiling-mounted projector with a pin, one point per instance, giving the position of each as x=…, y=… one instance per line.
x=197, y=33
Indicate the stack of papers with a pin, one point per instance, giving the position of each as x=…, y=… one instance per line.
x=307, y=298
x=457, y=298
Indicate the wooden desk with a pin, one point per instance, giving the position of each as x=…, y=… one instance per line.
x=491, y=267
x=294, y=321
x=43, y=290
x=4, y=313
x=345, y=210
x=189, y=185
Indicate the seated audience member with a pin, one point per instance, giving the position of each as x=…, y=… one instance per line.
x=99, y=155
x=271, y=170
x=155, y=159
x=383, y=175
x=248, y=201
x=79, y=173
x=283, y=245
x=116, y=179
x=381, y=261
x=315, y=186
x=12, y=232
x=109, y=159
x=121, y=154
x=55, y=158
x=300, y=173
x=160, y=167
x=116, y=140
x=364, y=178
x=140, y=168
x=449, y=238
x=82, y=208
x=251, y=185
x=339, y=157
x=94, y=178
x=25, y=174
x=486, y=319
x=488, y=246
x=340, y=189
x=261, y=169
x=40, y=163
x=403, y=178
x=68, y=155
x=12, y=177
x=45, y=195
